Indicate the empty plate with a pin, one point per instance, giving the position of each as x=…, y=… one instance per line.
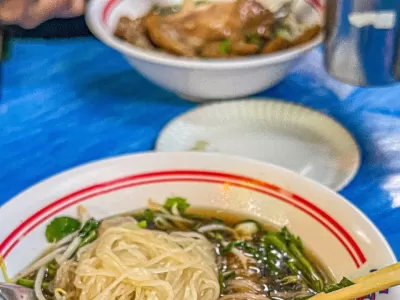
x=292, y=136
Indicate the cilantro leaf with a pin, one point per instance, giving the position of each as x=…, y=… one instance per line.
x=60, y=227
x=180, y=203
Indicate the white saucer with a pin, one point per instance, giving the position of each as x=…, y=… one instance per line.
x=285, y=134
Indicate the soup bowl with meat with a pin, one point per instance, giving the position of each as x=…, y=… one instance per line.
x=207, y=50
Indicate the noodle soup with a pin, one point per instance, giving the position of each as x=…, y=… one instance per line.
x=171, y=252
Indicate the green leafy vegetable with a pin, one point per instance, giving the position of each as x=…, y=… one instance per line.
x=225, y=46
x=148, y=215
x=342, y=284
x=51, y=272
x=306, y=267
x=216, y=235
x=52, y=265
x=231, y=245
x=89, y=238
x=289, y=237
x=222, y=277
x=180, y=203
x=282, y=33
x=290, y=245
x=219, y=236
x=255, y=39
x=221, y=281
x=229, y=275
x=52, y=269
x=143, y=224
x=283, y=30
x=241, y=244
x=88, y=233
x=217, y=220
x=274, y=239
x=60, y=227
x=278, y=251
x=89, y=226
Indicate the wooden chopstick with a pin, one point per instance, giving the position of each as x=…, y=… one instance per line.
x=374, y=282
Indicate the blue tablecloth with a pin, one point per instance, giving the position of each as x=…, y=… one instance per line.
x=69, y=102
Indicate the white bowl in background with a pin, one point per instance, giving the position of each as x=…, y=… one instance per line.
x=198, y=79
x=331, y=227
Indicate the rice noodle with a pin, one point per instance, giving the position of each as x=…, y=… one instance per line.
x=128, y=262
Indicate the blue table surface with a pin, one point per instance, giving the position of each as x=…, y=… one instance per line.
x=67, y=102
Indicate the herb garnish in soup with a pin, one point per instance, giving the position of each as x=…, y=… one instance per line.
x=171, y=252
x=215, y=29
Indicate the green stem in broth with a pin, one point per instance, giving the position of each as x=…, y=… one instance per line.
x=306, y=267
x=298, y=263
x=29, y=283
x=89, y=238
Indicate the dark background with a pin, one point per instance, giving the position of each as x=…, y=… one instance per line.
x=58, y=28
